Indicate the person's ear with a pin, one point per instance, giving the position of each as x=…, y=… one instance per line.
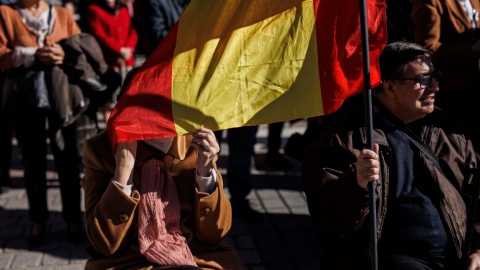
x=388, y=87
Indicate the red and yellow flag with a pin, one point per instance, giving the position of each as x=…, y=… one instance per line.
x=230, y=63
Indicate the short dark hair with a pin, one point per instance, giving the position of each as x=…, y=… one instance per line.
x=396, y=55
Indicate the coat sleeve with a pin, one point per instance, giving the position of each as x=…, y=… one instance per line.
x=205, y=218
x=74, y=28
x=427, y=19
x=66, y=25
x=5, y=48
x=109, y=212
x=213, y=214
x=336, y=203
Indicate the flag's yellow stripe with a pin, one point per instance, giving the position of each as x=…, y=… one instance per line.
x=261, y=64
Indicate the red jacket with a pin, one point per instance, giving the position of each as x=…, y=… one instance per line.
x=112, y=32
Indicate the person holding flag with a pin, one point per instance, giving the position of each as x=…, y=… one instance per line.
x=419, y=165
x=156, y=203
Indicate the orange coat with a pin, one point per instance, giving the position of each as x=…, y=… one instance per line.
x=14, y=32
x=111, y=216
x=442, y=26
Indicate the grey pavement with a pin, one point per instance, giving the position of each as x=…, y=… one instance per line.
x=286, y=239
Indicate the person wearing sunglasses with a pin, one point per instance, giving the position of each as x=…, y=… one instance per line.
x=418, y=165
x=426, y=80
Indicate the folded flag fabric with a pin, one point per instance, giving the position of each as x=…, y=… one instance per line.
x=231, y=63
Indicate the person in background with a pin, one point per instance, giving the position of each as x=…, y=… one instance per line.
x=155, y=18
x=110, y=23
x=273, y=158
x=6, y=135
x=29, y=32
x=241, y=142
x=421, y=214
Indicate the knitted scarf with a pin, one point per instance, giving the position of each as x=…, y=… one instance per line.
x=160, y=237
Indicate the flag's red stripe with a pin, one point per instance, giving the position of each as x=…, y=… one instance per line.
x=147, y=98
x=339, y=48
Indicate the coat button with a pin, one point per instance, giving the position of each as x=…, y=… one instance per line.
x=205, y=211
x=123, y=218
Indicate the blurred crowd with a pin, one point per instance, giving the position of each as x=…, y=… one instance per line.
x=62, y=65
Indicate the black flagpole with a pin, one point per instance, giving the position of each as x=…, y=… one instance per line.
x=369, y=124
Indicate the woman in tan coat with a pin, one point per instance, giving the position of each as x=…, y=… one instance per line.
x=119, y=222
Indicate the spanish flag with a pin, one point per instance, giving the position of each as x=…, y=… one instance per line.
x=231, y=63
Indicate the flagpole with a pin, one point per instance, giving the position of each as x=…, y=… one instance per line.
x=369, y=125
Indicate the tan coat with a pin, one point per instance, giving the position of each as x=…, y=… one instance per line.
x=443, y=27
x=13, y=32
x=111, y=215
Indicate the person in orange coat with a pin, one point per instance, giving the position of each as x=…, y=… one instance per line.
x=29, y=34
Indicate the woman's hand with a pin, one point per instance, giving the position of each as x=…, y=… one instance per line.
x=125, y=154
x=50, y=55
x=207, y=145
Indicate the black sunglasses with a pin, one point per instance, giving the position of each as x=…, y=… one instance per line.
x=425, y=80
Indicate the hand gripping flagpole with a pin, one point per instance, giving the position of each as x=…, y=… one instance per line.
x=369, y=125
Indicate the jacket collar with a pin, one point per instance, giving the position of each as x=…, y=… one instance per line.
x=179, y=147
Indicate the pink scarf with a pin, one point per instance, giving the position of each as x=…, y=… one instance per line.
x=159, y=234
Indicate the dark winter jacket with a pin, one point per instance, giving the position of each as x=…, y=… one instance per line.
x=339, y=206
x=159, y=16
